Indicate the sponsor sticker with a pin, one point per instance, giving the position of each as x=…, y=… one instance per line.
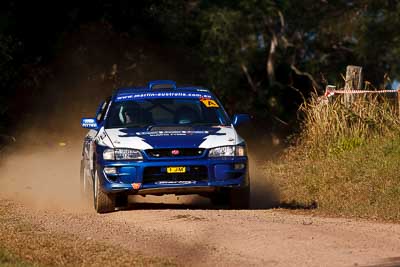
x=101, y=137
x=175, y=182
x=92, y=125
x=137, y=96
x=170, y=133
x=209, y=103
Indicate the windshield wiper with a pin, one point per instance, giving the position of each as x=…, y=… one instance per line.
x=149, y=127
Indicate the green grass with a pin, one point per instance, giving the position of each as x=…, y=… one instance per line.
x=353, y=171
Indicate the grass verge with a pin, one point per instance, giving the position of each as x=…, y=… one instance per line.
x=346, y=162
x=9, y=260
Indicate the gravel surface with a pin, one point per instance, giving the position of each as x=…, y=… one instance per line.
x=41, y=195
x=198, y=236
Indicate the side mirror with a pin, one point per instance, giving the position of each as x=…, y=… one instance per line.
x=240, y=119
x=89, y=123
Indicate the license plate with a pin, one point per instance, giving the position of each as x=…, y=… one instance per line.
x=176, y=169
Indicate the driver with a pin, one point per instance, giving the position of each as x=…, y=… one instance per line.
x=131, y=113
x=129, y=116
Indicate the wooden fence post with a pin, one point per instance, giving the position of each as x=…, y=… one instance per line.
x=398, y=100
x=354, y=81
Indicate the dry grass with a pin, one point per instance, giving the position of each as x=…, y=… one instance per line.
x=346, y=161
x=7, y=260
x=334, y=127
x=23, y=243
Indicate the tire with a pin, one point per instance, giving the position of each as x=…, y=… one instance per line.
x=81, y=177
x=240, y=198
x=102, y=202
x=85, y=189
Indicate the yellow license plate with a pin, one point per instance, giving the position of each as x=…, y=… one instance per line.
x=176, y=169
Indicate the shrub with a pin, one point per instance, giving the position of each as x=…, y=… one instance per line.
x=346, y=160
x=333, y=127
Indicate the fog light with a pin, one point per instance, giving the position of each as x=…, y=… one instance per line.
x=239, y=166
x=136, y=186
x=110, y=170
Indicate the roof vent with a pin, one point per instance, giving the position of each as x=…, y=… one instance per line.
x=161, y=84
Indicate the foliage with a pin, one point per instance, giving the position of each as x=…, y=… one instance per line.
x=258, y=55
x=378, y=38
x=232, y=38
x=8, y=72
x=8, y=48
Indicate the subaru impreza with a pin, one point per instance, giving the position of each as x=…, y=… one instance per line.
x=163, y=139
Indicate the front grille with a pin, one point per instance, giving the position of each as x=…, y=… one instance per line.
x=175, y=152
x=157, y=174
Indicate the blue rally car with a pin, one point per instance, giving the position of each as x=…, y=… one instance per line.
x=163, y=139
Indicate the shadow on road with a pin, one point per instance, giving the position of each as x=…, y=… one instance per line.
x=388, y=262
x=201, y=203
x=175, y=206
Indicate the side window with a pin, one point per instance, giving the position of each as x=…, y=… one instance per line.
x=102, y=109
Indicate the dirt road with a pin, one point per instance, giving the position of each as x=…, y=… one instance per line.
x=39, y=195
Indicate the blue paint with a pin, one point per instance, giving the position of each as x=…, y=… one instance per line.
x=239, y=119
x=161, y=84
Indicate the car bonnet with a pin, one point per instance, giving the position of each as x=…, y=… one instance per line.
x=197, y=137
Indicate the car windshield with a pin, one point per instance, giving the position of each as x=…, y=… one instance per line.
x=165, y=112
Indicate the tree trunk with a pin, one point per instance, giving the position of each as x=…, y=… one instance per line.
x=248, y=77
x=271, y=58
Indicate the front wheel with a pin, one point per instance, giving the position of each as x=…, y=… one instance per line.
x=102, y=202
x=85, y=189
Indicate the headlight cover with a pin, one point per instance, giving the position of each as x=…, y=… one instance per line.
x=228, y=151
x=122, y=154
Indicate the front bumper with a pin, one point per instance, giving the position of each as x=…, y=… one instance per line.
x=220, y=173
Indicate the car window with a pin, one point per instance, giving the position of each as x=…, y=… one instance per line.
x=164, y=111
x=102, y=109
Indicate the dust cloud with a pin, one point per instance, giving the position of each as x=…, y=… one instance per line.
x=42, y=176
x=264, y=192
x=264, y=144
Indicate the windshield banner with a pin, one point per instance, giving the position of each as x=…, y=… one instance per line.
x=138, y=96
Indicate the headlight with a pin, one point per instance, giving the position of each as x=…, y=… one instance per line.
x=122, y=154
x=109, y=154
x=227, y=151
